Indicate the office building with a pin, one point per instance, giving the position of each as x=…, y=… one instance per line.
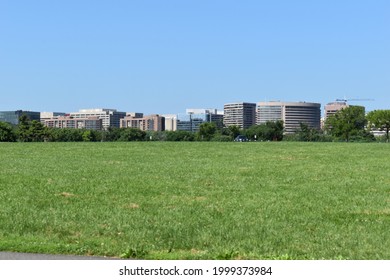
x=147, y=123
x=109, y=117
x=12, y=117
x=193, y=118
x=201, y=111
x=50, y=115
x=241, y=114
x=191, y=122
x=135, y=115
x=217, y=119
x=95, y=123
x=333, y=107
x=214, y=115
x=170, y=122
x=291, y=113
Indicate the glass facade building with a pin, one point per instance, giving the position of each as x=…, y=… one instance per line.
x=12, y=117
x=191, y=122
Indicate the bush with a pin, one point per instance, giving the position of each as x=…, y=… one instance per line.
x=132, y=134
x=65, y=135
x=180, y=136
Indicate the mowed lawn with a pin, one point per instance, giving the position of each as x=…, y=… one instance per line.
x=165, y=200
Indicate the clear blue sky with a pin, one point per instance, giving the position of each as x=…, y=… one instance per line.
x=157, y=56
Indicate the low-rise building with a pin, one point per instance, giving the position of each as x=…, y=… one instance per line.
x=72, y=122
x=50, y=115
x=333, y=107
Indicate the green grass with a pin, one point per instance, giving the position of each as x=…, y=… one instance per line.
x=161, y=200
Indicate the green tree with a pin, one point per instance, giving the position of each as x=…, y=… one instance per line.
x=275, y=130
x=65, y=135
x=31, y=131
x=234, y=131
x=38, y=132
x=111, y=134
x=380, y=119
x=7, y=133
x=155, y=135
x=23, y=129
x=269, y=131
x=207, y=131
x=307, y=133
x=347, y=122
x=91, y=135
x=132, y=134
x=180, y=135
x=87, y=136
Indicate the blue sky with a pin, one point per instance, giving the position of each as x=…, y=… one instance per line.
x=165, y=56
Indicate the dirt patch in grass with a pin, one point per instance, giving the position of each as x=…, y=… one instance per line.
x=66, y=194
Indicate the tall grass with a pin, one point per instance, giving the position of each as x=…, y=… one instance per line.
x=196, y=200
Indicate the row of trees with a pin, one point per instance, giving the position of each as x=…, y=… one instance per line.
x=349, y=124
x=34, y=131
x=352, y=124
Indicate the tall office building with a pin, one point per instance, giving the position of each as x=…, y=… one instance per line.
x=241, y=114
x=170, y=122
x=109, y=117
x=12, y=117
x=291, y=113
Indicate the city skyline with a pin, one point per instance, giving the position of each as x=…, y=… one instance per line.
x=188, y=111
x=164, y=57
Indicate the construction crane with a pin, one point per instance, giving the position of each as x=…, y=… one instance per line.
x=346, y=100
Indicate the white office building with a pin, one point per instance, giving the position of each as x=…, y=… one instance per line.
x=109, y=117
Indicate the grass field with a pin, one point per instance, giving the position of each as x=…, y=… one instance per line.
x=161, y=200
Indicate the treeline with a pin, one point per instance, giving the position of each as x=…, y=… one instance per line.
x=349, y=125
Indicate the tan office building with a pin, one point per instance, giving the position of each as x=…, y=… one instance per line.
x=147, y=123
x=333, y=107
x=71, y=122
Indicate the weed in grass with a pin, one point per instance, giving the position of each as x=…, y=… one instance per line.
x=227, y=255
x=135, y=253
